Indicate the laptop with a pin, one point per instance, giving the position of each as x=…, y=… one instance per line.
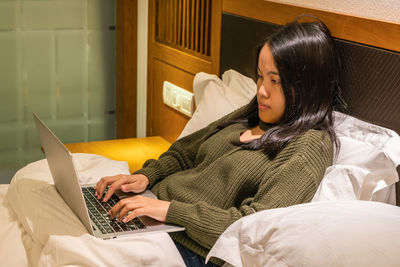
x=81, y=199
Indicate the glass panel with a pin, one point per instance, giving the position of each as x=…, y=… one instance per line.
x=9, y=138
x=100, y=14
x=100, y=129
x=71, y=70
x=57, y=59
x=53, y=14
x=9, y=74
x=101, y=73
x=39, y=71
x=9, y=15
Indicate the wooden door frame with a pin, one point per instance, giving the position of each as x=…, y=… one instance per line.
x=126, y=68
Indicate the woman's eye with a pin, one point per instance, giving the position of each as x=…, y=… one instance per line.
x=259, y=76
x=275, y=81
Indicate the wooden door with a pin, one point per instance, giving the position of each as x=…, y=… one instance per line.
x=184, y=39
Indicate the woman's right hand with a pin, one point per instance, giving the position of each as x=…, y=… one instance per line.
x=136, y=183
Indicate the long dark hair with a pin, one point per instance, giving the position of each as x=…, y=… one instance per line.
x=306, y=59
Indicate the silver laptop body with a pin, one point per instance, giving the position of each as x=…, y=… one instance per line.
x=67, y=184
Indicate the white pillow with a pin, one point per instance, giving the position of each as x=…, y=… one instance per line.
x=365, y=167
x=241, y=88
x=339, y=233
x=215, y=97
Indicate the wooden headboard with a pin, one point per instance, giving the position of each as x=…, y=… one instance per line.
x=369, y=51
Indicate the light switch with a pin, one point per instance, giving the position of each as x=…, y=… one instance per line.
x=178, y=98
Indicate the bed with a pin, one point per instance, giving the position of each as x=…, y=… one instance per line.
x=353, y=219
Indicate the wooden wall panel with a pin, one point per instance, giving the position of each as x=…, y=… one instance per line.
x=362, y=30
x=184, y=25
x=168, y=123
x=126, y=95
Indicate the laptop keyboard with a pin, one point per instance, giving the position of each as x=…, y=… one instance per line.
x=98, y=213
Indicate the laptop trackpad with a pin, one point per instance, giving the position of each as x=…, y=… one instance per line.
x=122, y=195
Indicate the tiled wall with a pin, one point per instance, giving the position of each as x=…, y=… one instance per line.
x=57, y=58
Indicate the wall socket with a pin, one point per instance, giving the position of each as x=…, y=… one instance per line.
x=178, y=98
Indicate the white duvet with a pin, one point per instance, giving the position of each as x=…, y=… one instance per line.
x=55, y=236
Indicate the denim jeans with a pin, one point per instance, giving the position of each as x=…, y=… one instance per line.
x=192, y=259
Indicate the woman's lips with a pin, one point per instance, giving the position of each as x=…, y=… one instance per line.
x=263, y=107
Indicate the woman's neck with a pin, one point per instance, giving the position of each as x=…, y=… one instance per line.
x=251, y=134
x=264, y=126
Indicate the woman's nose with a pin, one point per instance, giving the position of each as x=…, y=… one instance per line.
x=263, y=91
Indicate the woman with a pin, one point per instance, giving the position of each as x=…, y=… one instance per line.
x=271, y=153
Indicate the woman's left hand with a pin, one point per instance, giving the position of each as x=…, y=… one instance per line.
x=138, y=206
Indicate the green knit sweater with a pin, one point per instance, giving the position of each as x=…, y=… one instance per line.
x=211, y=182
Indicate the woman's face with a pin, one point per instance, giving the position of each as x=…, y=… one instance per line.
x=270, y=97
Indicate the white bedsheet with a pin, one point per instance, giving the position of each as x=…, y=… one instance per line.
x=53, y=235
x=12, y=251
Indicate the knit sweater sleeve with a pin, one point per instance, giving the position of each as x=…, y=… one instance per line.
x=182, y=153
x=291, y=183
